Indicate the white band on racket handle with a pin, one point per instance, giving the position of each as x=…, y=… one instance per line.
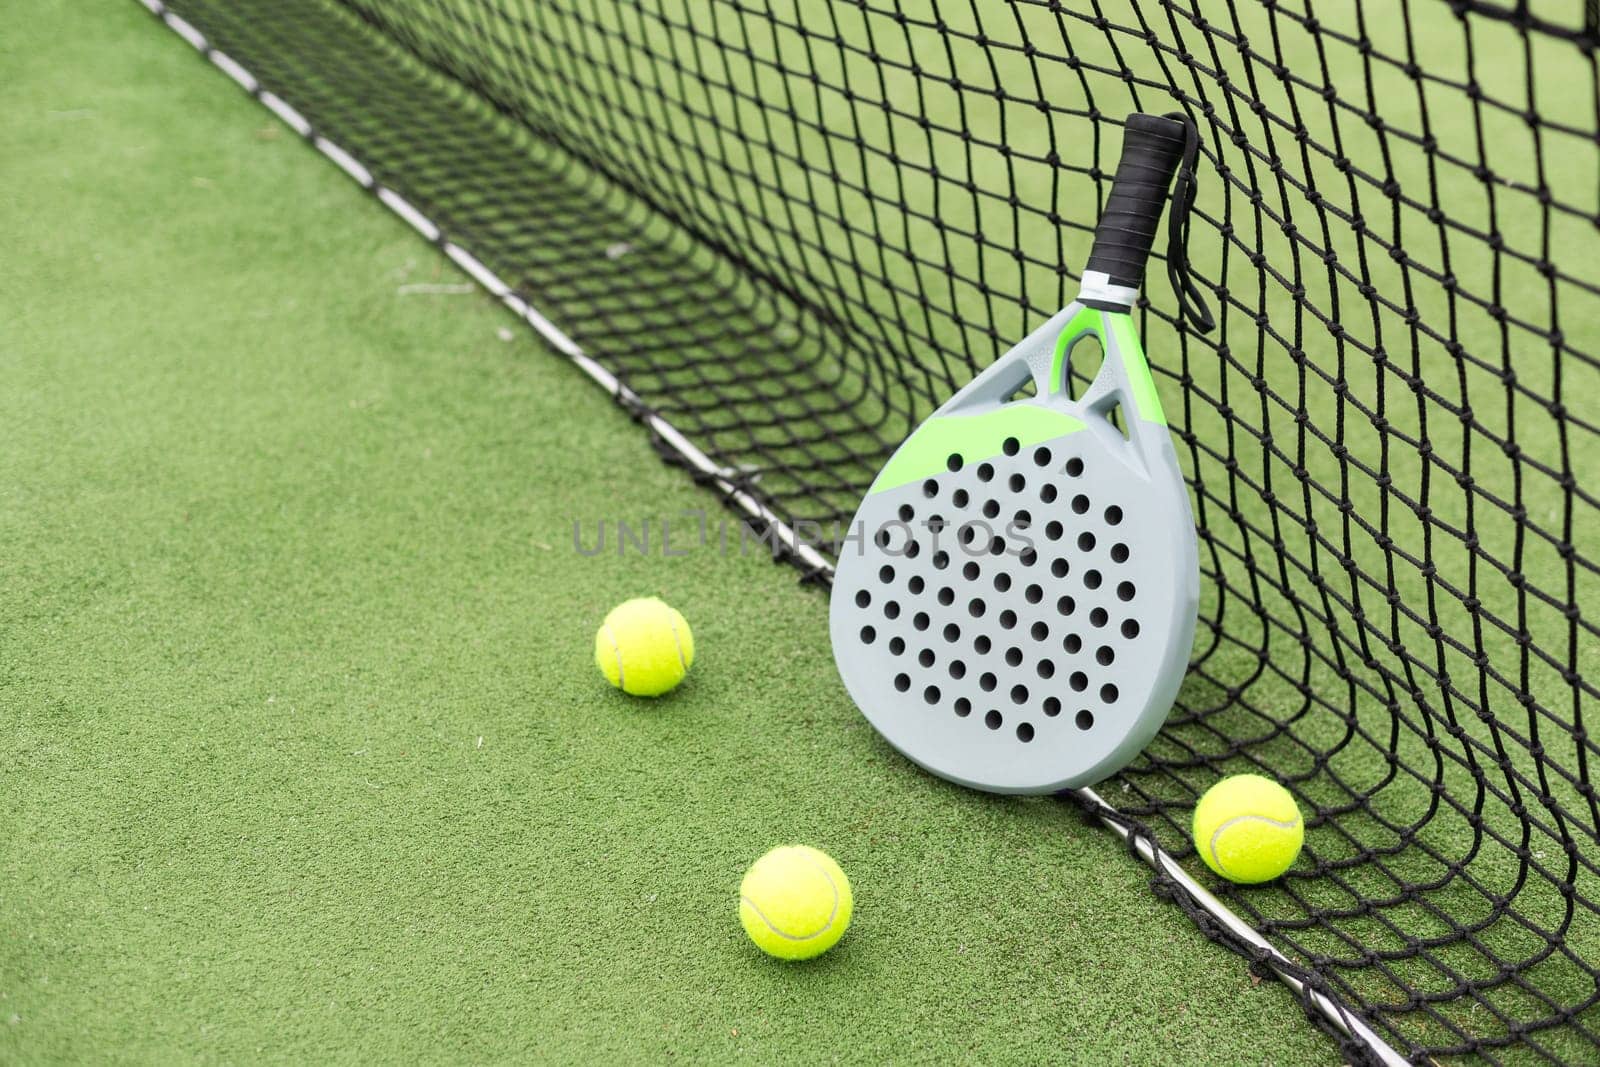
x=1099, y=288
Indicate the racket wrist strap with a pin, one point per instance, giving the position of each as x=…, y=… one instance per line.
x=1191, y=304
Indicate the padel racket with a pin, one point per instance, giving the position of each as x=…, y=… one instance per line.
x=1015, y=606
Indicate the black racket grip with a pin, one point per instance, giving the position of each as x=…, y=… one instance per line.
x=1152, y=148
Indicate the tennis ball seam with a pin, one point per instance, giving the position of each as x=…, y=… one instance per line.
x=833, y=915
x=678, y=644
x=1217, y=833
x=616, y=649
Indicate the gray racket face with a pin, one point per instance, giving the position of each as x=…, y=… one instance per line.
x=1015, y=605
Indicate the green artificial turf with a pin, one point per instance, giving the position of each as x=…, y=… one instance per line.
x=302, y=754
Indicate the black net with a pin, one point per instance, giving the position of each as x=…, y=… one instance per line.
x=791, y=228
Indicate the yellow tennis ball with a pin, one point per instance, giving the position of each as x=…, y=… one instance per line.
x=1248, y=829
x=795, y=902
x=644, y=647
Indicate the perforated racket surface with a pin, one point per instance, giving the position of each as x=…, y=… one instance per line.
x=1017, y=604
